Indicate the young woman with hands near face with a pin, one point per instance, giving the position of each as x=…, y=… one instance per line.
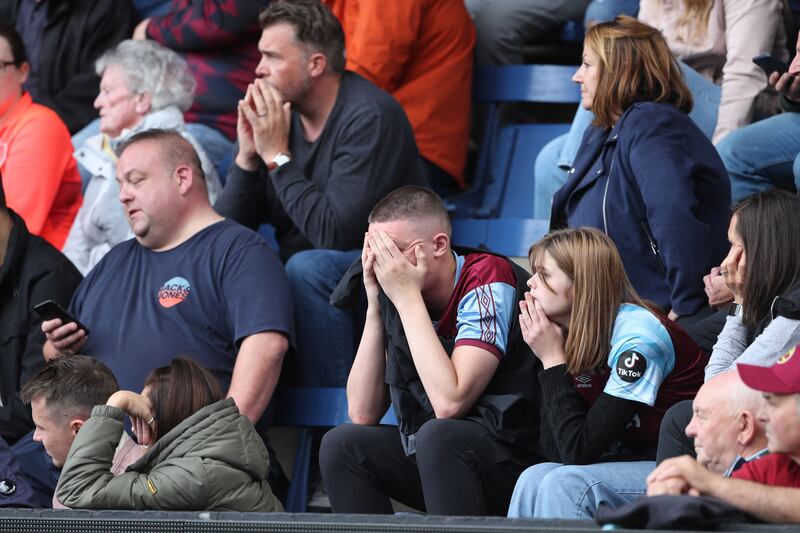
x=612, y=366
x=762, y=270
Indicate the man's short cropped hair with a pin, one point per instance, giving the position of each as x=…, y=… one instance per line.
x=75, y=383
x=175, y=149
x=408, y=203
x=314, y=25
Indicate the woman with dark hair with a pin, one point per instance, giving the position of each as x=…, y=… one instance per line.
x=762, y=270
x=612, y=366
x=203, y=455
x=41, y=180
x=645, y=174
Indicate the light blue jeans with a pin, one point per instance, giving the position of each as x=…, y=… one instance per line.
x=553, y=490
x=557, y=156
x=763, y=155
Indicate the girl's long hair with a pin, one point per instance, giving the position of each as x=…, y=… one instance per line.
x=179, y=390
x=769, y=226
x=600, y=285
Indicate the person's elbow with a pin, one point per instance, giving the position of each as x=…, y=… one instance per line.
x=363, y=417
x=450, y=407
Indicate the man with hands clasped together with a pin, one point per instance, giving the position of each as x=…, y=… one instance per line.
x=441, y=343
x=318, y=147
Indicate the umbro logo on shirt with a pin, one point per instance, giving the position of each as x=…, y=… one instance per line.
x=174, y=292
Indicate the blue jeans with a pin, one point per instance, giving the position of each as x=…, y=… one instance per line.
x=761, y=156
x=553, y=490
x=326, y=335
x=218, y=148
x=606, y=10
x=557, y=156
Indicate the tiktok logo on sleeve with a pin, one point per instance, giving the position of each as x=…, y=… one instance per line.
x=174, y=292
x=631, y=366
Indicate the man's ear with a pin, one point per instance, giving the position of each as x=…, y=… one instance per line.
x=441, y=244
x=185, y=177
x=317, y=64
x=143, y=103
x=745, y=428
x=75, y=425
x=25, y=70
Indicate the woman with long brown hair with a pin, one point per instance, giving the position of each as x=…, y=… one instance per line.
x=645, y=174
x=203, y=455
x=612, y=366
x=762, y=271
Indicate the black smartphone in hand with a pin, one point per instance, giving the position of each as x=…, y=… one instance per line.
x=49, y=310
x=769, y=64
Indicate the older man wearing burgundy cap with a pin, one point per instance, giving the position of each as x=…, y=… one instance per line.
x=768, y=487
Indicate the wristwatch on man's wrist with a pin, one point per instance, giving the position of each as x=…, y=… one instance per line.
x=278, y=161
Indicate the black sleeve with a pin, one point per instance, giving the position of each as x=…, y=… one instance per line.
x=57, y=284
x=244, y=197
x=373, y=156
x=581, y=435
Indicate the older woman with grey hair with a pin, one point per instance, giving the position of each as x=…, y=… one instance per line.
x=143, y=86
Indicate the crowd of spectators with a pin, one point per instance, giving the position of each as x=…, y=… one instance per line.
x=144, y=144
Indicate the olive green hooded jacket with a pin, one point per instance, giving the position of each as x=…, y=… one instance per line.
x=214, y=460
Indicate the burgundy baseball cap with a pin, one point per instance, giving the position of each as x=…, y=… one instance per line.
x=781, y=378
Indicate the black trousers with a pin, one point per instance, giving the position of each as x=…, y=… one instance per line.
x=458, y=469
x=672, y=439
x=704, y=326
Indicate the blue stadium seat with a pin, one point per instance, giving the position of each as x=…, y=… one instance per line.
x=307, y=408
x=496, y=210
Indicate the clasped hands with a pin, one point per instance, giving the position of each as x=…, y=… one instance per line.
x=681, y=475
x=262, y=126
x=139, y=410
x=387, y=267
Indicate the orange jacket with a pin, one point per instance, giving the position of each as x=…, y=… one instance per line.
x=420, y=51
x=40, y=177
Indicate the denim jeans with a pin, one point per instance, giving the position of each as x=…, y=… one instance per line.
x=553, y=490
x=326, y=335
x=607, y=10
x=557, y=156
x=762, y=155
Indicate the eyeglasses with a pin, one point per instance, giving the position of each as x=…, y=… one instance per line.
x=5, y=64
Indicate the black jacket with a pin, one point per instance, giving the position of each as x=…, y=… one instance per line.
x=77, y=32
x=657, y=187
x=32, y=272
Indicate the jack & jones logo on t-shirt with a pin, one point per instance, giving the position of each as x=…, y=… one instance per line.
x=174, y=292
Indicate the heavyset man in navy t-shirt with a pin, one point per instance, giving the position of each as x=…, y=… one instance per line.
x=190, y=283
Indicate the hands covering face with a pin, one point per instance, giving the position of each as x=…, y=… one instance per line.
x=387, y=266
x=545, y=338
